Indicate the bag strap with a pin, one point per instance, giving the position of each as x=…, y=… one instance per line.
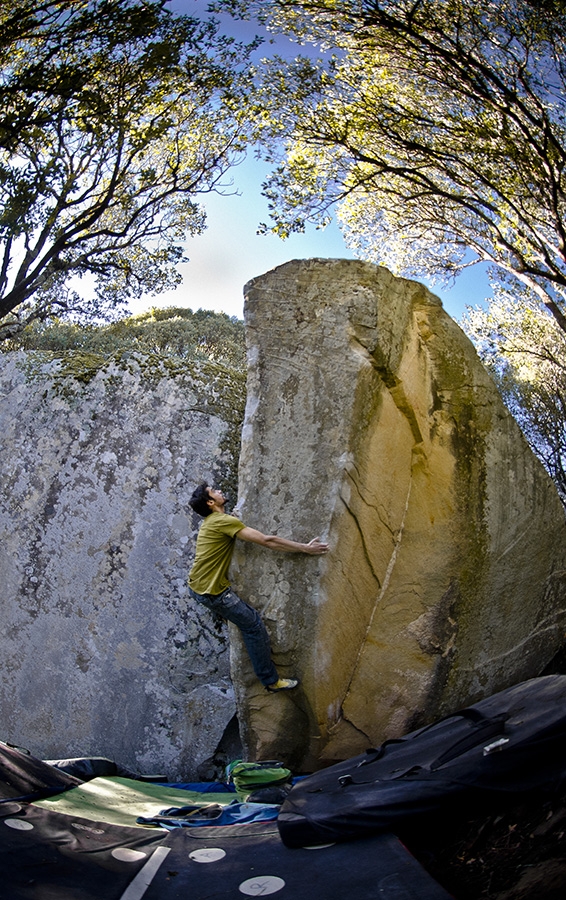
x=484, y=728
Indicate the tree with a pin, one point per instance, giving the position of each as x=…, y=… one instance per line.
x=525, y=351
x=175, y=332
x=115, y=116
x=438, y=126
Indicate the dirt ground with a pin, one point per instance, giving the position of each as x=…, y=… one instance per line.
x=514, y=854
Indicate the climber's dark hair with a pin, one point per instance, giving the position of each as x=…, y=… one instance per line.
x=199, y=500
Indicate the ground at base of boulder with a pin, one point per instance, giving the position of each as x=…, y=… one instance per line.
x=515, y=854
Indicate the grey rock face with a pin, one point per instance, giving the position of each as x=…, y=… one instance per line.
x=371, y=422
x=102, y=652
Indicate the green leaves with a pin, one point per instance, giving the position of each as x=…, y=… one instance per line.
x=116, y=117
x=438, y=128
x=525, y=351
x=176, y=333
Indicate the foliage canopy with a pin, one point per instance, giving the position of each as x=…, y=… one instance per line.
x=173, y=332
x=525, y=351
x=115, y=116
x=439, y=126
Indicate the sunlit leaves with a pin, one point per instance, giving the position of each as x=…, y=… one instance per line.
x=437, y=127
x=525, y=351
x=116, y=117
x=172, y=332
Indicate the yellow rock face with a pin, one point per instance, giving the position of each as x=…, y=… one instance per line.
x=372, y=423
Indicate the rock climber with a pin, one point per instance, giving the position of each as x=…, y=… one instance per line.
x=209, y=583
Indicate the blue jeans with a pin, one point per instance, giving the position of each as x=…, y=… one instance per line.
x=231, y=607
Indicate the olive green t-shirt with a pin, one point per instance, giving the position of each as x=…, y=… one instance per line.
x=215, y=546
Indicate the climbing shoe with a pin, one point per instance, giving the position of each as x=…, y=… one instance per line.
x=282, y=684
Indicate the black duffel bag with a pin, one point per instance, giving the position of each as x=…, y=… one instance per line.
x=511, y=743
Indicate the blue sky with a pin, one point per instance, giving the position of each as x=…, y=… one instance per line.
x=230, y=253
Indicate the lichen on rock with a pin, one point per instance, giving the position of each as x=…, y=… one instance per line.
x=102, y=652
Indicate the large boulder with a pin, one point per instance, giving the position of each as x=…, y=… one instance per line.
x=371, y=422
x=102, y=652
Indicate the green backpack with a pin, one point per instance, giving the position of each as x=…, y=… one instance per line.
x=250, y=776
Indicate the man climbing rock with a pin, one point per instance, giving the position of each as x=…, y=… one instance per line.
x=209, y=584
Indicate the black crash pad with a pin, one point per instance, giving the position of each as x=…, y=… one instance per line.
x=511, y=743
x=50, y=856
x=24, y=776
x=251, y=860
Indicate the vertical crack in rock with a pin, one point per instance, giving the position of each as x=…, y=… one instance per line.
x=362, y=537
x=393, y=385
x=390, y=566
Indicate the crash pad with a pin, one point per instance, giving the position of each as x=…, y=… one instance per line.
x=48, y=856
x=120, y=801
x=45, y=855
x=475, y=759
x=24, y=776
x=238, y=861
